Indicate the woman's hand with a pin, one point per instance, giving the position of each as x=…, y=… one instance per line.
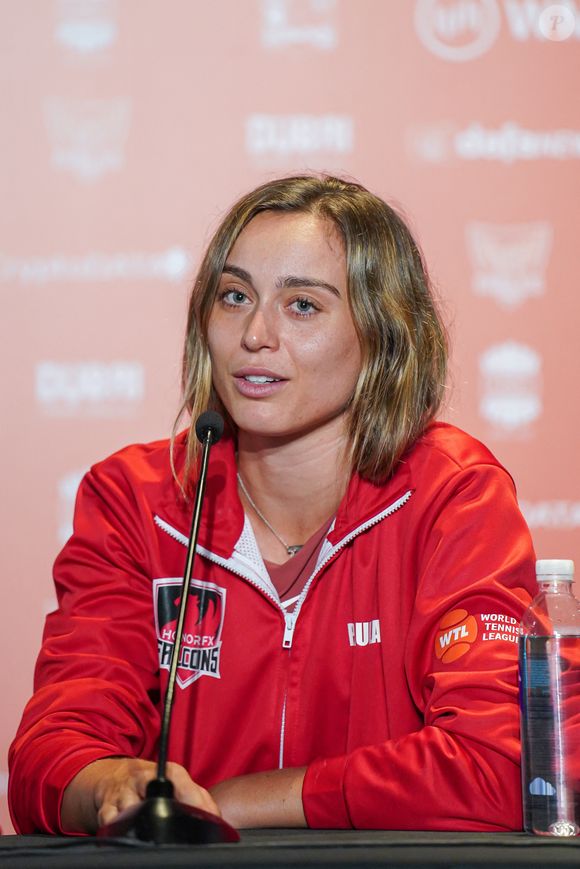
x=107, y=787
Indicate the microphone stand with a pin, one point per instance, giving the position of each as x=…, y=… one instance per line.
x=160, y=818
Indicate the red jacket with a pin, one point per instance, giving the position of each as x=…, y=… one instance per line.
x=395, y=680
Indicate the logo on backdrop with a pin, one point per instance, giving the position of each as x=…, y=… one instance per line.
x=86, y=27
x=463, y=30
x=457, y=31
x=509, y=260
x=511, y=143
x=169, y=265
x=299, y=134
x=87, y=137
x=101, y=389
x=443, y=143
x=299, y=22
x=201, y=647
x=558, y=22
x=432, y=144
x=510, y=386
x=67, y=487
x=561, y=515
x=48, y=605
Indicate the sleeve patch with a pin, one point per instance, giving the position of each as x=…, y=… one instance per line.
x=458, y=631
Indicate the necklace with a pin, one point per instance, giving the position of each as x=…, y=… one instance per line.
x=291, y=550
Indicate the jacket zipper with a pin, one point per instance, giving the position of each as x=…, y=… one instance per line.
x=291, y=623
x=290, y=619
x=217, y=559
x=282, y=733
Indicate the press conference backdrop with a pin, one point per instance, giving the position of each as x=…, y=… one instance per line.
x=129, y=126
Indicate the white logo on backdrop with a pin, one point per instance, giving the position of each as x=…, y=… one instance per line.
x=511, y=143
x=89, y=388
x=508, y=144
x=462, y=30
x=542, y=20
x=299, y=22
x=171, y=265
x=557, y=23
x=457, y=31
x=86, y=26
x=509, y=260
x=510, y=378
x=299, y=134
x=564, y=515
x=67, y=487
x=433, y=144
x=49, y=605
x=87, y=137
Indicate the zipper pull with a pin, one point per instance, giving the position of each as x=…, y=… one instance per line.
x=290, y=622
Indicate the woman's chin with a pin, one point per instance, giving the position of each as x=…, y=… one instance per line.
x=283, y=430
x=252, y=429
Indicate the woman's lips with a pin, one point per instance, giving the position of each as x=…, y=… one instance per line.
x=258, y=385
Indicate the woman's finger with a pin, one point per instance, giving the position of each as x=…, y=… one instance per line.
x=142, y=778
x=188, y=792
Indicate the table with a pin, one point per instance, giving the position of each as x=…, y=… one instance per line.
x=294, y=849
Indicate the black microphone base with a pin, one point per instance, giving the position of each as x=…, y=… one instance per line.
x=165, y=821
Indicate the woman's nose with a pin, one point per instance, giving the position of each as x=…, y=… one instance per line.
x=260, y=331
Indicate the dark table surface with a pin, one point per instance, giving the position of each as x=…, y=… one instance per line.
x=298, y=848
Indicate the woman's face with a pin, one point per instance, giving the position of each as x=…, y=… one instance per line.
x=283, y=345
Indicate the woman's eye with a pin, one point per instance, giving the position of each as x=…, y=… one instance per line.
x=304, y=307
x=235, y=298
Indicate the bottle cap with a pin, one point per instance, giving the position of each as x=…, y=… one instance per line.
x=561, y=567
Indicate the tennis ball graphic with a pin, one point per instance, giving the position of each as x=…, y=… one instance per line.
x=457, y=631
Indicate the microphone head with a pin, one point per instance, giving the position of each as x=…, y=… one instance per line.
x=207, y=422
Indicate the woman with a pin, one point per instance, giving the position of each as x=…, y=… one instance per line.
x=355, y=661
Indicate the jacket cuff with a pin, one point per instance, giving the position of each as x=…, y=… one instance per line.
x=323, y=794
x=60, y=777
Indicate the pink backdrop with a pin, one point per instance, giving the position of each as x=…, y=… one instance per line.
x=130, y=125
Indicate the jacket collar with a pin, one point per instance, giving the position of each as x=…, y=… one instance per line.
x=364, y=500
x=222, y=517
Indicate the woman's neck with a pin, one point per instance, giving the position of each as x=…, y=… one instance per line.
x=297, y=484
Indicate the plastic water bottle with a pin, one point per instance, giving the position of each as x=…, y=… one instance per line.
x=549, y=657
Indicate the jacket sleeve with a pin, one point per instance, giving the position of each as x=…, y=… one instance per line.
x=474, y=568
x=96, y=679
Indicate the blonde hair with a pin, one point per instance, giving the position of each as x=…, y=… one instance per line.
x=402, y=339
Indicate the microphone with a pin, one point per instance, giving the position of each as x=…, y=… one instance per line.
x=160, y=818
x=209, y=422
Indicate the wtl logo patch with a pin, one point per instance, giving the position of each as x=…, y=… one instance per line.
x=201, y=646
x=457, y=632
